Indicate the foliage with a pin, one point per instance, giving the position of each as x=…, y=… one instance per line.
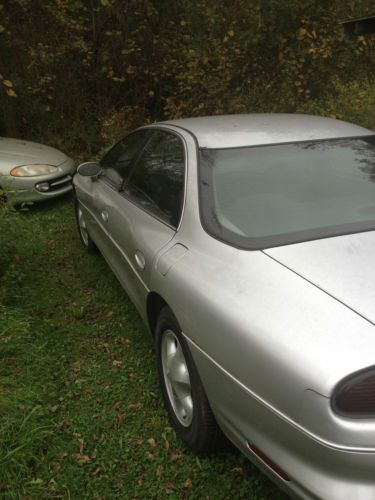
x=80, y=73
x=81, y=414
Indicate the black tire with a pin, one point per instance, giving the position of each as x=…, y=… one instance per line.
x=197, y=429
x=84, y=235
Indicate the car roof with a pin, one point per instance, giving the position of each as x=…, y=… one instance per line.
x=228, y=131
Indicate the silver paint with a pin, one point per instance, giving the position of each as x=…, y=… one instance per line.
x=15, y=153
x=271, y=333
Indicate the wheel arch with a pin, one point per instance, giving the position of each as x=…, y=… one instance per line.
x=155, y=304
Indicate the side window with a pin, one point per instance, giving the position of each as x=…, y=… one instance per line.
x=118, y=161
x=157, y=183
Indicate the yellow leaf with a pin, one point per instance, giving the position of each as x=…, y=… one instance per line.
x=2, y=28
x=7, y=83
x=231, y=33
x=183, y=23
x=11, y=93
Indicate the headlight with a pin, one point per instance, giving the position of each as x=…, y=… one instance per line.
x=32, y=170
x=355, y=396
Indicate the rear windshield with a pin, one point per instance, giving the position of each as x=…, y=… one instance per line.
x=260, y=197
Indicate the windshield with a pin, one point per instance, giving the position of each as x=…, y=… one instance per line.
x=264, y=196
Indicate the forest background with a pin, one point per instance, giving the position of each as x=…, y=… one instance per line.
x=77, y=74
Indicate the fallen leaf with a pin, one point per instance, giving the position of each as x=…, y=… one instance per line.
x=135, y=406
x=151, y=442
x=237, y=470
x=77, y=366
x=159, y=471
x=188, y=483
x=96, y=472
x=176, y=455
x=120, y=419
x=117, y=405
x=116, y=363
x=81, y=445
x=167, y=487
x=82, y=459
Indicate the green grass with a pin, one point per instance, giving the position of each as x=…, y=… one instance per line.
x=80, y=410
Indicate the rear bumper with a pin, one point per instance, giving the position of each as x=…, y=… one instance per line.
x=316, y=468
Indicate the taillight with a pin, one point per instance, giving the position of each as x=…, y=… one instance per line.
x=354, y=397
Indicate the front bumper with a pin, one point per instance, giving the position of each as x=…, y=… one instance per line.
x=24, y=189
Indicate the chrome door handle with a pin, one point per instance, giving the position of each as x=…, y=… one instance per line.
x=140, y=259
x=104, y=215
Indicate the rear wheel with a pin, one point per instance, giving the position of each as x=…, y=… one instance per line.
x=183, y=393
x=84, y=235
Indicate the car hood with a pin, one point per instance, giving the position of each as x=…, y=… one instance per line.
x=343, y=267
x=16, y=152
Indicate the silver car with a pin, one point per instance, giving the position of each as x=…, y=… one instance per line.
x=33, y=172
x=247, y=243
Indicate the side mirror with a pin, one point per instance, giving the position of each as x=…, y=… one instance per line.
x=90, y=169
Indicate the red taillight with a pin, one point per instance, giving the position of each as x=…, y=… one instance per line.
x=355, y=396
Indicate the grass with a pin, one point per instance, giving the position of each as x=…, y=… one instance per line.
x=80, y=410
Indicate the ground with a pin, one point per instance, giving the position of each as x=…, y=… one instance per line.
x=81, y=414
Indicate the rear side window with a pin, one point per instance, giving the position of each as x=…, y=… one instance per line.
x=157, y=182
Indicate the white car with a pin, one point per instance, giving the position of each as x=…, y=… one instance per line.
x=33, y=172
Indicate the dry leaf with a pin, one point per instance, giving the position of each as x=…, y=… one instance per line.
x=151, y=442
x=96, y=472
x=135, y=406
x=176, y=455
x=81, y=445
x=188, y=483
x=167, y=487
x=82, y=459
x=120, y=419
x=159, y=471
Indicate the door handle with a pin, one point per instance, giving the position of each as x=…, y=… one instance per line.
x=104, y=215
x=140, y=259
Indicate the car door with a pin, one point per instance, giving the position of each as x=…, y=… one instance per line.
x=144, y=217
x=97, y=197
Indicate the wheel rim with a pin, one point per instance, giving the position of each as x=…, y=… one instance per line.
x=176, y=378
x=83, y=227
